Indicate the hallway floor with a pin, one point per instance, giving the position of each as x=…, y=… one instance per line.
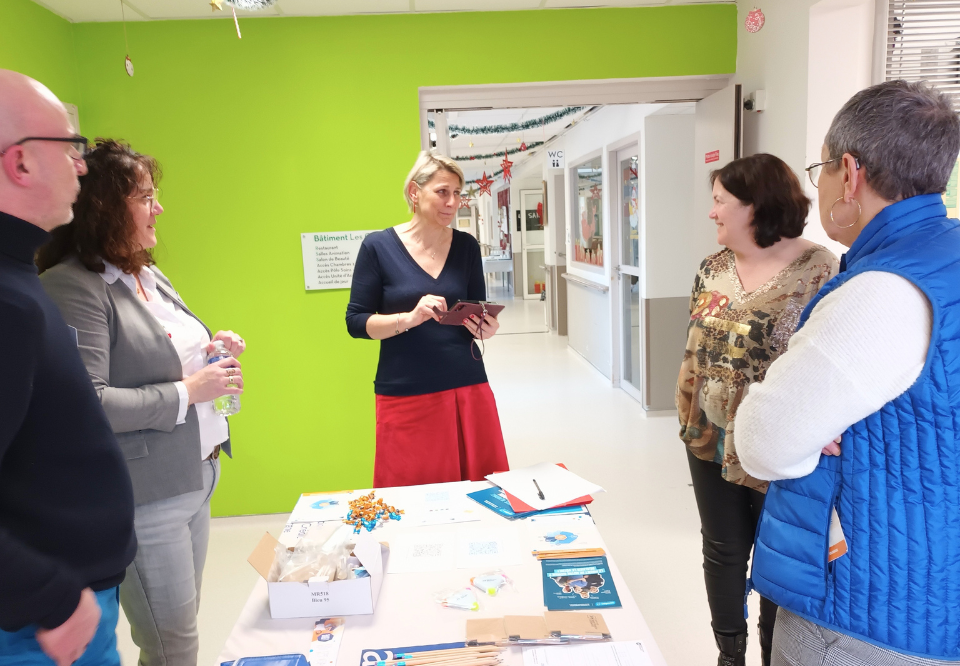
x=553, y=406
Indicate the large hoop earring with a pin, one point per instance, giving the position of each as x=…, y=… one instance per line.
x=859, y=213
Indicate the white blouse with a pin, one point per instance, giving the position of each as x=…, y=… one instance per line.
x=190, y=339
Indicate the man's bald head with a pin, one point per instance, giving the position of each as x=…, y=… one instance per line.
x=38, y=179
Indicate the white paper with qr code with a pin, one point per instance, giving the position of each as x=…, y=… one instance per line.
x=484, y=549
x=622, y=653
x=422, y=551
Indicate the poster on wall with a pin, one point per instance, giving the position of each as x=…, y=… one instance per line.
x=588, y=239
x=328, y=258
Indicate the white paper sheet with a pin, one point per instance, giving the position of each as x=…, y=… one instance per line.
x=441, y=507
x=487, y=549
x=562, y=532
x=312, y=507
x=559, y=486
x=624, y=653
x=422, y=551
x=293, y=532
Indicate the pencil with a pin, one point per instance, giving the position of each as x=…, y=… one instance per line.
x=465, y=660
x=450, y=651
x=442, y=657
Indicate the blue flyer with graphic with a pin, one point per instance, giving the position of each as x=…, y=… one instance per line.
x=370, y=657
x=577, y=583
x=496, y=501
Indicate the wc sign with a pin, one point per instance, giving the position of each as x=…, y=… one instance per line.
x=555, y=158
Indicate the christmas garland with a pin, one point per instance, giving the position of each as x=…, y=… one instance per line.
x=456, y=130
x=477, y=180
x=514, y=151
x=251, y=5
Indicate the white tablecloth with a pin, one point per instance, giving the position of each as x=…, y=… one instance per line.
x=407, y=614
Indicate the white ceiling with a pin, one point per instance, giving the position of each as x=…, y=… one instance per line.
x=84, y=11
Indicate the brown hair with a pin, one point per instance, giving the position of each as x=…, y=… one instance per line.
x=765, y=181
x=102, y=228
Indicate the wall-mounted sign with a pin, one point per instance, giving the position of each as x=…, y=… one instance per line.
x=328, y=258
x=712, y=156
x=555, y=159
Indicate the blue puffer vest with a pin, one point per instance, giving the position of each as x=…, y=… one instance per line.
x=896, y=484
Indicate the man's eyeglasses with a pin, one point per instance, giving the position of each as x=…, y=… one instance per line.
x=814, y=170
x=79, y=143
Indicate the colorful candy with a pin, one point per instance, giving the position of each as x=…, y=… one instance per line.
x=368, y=512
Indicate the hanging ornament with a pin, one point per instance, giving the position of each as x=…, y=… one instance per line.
x=251, y=5
x=523, y=146
x=596, y=192
x=471, y=144
x=506, y=164
x=127, y=63
x=216, y=5
x=464, y=201
x=755, y=20
x=471, y=192
x=485, y=184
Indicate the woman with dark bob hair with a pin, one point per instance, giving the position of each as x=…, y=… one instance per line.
x=145, y=352
x=858, y=425
x=745, y=304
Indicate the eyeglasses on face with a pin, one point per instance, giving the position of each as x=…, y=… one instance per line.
x=77, y=142
x=151, y=198
x=814, y=170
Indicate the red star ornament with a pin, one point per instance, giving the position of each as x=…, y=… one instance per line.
x=596, y=192
x=506, y=164
x=485, y=184
x=465, y=202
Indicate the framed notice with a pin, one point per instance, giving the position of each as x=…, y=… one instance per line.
x=328, y=258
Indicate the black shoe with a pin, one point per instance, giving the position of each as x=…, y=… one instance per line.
x=766, y=645
x=733, y=649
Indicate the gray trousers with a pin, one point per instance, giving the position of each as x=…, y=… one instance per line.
x=799, y=642
x=161, y=592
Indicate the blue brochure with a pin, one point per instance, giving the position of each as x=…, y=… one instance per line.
x=578, y=583
x=496, y=501
x=372, y=657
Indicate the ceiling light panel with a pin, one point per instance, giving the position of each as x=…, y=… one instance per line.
x=339, y=7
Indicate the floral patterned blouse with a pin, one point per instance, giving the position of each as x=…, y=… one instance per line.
x=732, y=338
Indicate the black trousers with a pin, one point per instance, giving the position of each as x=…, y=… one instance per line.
x=729, y=514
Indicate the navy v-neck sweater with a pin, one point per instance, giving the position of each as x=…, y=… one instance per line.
x=430, y=357
x=66, y=501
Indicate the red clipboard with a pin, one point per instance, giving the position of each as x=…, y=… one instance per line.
x=519, y=506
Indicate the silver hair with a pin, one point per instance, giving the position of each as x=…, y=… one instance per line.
x=906, y=136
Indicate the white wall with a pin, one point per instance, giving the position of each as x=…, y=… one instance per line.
x=667, y=222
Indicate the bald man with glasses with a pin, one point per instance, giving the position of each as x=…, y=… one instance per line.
x=66, y=501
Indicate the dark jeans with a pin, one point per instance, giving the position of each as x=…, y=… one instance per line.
x=729, y=514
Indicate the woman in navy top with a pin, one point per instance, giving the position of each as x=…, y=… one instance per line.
x=436, y=415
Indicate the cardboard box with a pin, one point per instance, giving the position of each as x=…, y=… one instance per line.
x=341, y=597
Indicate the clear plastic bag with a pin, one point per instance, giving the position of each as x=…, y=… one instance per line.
x=491, y=582
x=463, y=598
x=318, y=557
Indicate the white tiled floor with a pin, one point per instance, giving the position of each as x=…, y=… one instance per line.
x=553, y=406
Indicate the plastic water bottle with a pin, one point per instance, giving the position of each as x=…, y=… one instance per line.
x=225, y=405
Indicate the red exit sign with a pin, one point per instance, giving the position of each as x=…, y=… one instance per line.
x=712, y=156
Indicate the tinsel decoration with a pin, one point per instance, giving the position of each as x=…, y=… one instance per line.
x=456, y=130
x=487, y=156
x=251, y=5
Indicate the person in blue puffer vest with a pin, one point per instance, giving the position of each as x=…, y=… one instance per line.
x=859, y=540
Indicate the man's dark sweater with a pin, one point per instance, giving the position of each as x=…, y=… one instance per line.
x=66, y=502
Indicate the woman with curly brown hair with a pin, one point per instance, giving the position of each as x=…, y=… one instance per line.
x=745, y=305
x=145, y=352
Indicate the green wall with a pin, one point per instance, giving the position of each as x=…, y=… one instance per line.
x=40, y=44
x=311, y=124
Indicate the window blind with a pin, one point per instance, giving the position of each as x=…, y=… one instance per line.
x=923, y=43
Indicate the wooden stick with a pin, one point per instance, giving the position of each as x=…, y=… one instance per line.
x=451, y=652
x=558, y=554
x=439, y=659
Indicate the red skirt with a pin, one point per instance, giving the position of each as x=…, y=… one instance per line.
x=438, y=437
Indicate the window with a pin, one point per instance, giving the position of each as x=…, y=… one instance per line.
x=923, y=43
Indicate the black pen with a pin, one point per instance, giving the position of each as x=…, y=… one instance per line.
x=539, y=492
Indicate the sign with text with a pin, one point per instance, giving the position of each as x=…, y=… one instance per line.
x=555, y=159
x=328, y=258
x=712, y=156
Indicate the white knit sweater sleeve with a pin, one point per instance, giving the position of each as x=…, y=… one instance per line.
x=864, y=344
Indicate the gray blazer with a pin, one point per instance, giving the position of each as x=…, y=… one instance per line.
x=133, y=365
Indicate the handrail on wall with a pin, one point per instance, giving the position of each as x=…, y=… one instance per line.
x=585, y=283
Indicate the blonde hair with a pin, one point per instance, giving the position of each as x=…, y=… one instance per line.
x=424, y=169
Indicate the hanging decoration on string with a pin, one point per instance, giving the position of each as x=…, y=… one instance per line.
x=755, y=20
x=216, y=5
x=465, y=202
x=484, y=184
x=487, y=156
x=506, y=164
x=127, y=62
x=471, y=192
x=456, y=130
x=596, y=192
x=523, y=147
x=249, y=5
